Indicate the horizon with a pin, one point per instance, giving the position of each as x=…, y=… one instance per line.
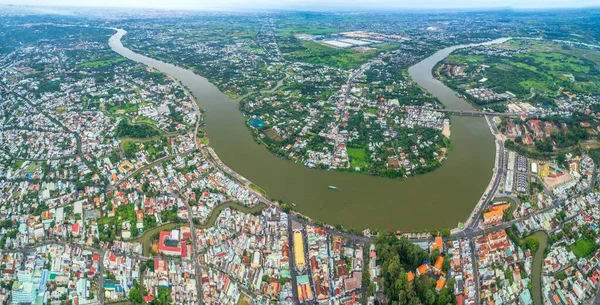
x=308, y=5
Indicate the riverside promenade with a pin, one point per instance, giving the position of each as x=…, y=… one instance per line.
x=492, y=187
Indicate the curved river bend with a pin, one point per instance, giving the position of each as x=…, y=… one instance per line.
x=438, y=199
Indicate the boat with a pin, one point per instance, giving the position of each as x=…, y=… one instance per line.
x=332, y=187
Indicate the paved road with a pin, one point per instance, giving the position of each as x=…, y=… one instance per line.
x=195, y=257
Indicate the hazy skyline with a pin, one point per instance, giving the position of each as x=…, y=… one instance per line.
x=309, y=4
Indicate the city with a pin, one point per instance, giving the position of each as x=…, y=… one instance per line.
x=288, y=157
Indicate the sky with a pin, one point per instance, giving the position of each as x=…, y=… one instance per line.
x=310, y=4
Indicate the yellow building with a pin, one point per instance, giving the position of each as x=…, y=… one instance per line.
x=299, y=251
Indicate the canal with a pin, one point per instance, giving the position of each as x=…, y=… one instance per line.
x=438, y=199
x=536, y=268
x=146, y=237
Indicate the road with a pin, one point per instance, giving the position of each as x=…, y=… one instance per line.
x=195, y=256
x=483, y=113
x=351, y=78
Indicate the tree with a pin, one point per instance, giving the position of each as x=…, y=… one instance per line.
x=163, y=297
x=429, y=296
x=135, y=296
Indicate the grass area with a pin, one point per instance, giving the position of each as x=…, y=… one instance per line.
x=59, y=109
x=584, y=247
x=102, y=63
x=319, y=30
x=318, y=53
x=459, y=58
x=204, y=140
x=590, y=144
x=129, y=107
x=258, y=189
x=143, y=119
x=357, y=157
x=244, y=300
x=17, y=164
x=32, y=167
x=372, y=110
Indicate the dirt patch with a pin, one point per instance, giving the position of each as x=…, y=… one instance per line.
x=273, y=135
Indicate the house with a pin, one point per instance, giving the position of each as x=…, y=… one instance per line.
x=438, y=244
x=422, y=269
x=439, y=285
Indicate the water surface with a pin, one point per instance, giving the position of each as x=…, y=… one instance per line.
x=438, y=199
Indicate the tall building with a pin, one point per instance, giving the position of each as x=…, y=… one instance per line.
x=23, y=293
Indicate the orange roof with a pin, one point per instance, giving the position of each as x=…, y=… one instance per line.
x=556, y=299
x=439, y=262
x=411, y=276
x=437, y=244
x=493, y=214
x=422, y=269
x=440, y=283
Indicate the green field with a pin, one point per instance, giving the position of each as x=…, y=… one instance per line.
x=102, y=63
x=320, y=54
x=584, y=248
x=320, y=30
x=129, y=107
x=546, y=67
x=357, y=157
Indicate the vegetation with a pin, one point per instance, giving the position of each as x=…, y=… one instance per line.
x=138, y=131
x=397, y=257
x=584, y=247
x=321, y=54
x=530, y=243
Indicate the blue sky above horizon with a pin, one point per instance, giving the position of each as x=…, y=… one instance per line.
x=310, y=4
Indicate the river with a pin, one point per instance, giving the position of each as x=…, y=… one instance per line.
x=435, y=200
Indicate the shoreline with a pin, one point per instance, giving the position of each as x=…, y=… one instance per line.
x=349, y=194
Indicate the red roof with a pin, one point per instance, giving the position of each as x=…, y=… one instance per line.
x=161, y=243
x=183, y=250
x=459, y=299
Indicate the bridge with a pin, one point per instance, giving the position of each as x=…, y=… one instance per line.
x=482, y=113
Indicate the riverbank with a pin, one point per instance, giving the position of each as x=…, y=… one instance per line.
x=439, y=199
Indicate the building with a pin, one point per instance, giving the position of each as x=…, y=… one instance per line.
x=496, y=214
x=299, y=251
x=168, y=244
x=23, y=293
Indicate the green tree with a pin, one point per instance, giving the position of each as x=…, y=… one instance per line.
x=163, y=297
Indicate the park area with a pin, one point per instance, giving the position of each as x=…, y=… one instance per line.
x=357, y=157
x=584, y=247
